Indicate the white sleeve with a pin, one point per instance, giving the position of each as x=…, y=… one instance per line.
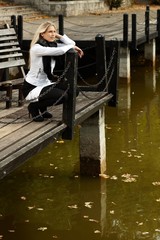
x=39, y=50
x=66, y=40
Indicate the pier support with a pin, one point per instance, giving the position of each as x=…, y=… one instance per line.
x=124, y=70
x=93, y=145
x=150, y=51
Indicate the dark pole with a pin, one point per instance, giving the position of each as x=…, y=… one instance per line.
x=70, y=105
x=61, y=24
x=20, y=29
x=101, y=64
x=158, y=22
x=113, y=72
x=147, y=25
x=13, y=22
x=134, y=31
x=125, y=30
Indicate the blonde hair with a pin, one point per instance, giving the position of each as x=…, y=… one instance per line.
x=41, y=29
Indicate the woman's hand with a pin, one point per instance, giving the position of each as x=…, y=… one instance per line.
x=79, y=51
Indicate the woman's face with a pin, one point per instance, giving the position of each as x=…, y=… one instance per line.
x=50, y=34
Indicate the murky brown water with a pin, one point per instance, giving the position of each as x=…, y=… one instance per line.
x=47, y=199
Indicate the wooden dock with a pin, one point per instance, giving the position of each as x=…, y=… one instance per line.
x=21, y=138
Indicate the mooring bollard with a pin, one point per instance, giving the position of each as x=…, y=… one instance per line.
x=71, y=62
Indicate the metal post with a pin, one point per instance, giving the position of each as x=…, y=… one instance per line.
x=158, y=22
x=70, y=104
x=13, y=22
x=113, y=72
x=61, y=24
x=101, y=62
x=125, y=30
x=134, y=31
x=147, y=25
x=20, y=29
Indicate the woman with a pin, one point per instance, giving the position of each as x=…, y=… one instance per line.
x=38, y=87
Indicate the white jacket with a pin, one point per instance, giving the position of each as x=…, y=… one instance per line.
x=36, y=74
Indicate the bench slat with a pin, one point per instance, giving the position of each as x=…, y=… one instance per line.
x=11, y=55
x=8, y=38
x=9, y=44
x=14, y=63
x=6, y=31
x=17, y=49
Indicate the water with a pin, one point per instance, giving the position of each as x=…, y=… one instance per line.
x=47, y=199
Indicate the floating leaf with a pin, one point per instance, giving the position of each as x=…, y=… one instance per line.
x=97, y=231
x=42, y=229
x=88, y=204
x=23, y=198
x=40, y=209
x=156, y=183
x=31, y=207
x=104, y=175
x=93, y=220
x=73, y=206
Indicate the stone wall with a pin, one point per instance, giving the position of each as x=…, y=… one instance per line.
x=69, y=8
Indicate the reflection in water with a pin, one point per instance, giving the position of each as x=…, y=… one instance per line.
x=47, y=199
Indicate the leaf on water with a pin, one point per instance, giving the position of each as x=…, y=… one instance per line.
x=27, y=220
x=111, y=212
x=97, y=231
x=54, y=236
x=51, y=164
x=42, y=229
x=93, y=220
x=49, y=199
x=157, y=230
x=31, y=207
x=156, y=183
x=88, y=204
x=76, y=176
x=40, y=209
x=108, y=128
x=23, y=198
x=114, y=178
x=158, y=200
x=11, y=230
x=86, y=216
x=123, y=151
x=145, y=233
x=60, y=141
x=1, y=236
x=129, y=178
x=104, y=175
x=73, y=206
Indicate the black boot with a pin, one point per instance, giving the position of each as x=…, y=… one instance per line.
x=44, y=112
x=33, y=109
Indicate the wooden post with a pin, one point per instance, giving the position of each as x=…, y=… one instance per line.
x=93, y=145
x=101, y=62
x=20, y=29
x=158, y=22
x=70, y=104
x=147, y=25
x=113, y=71
x=13, y=22
x=134, y=31
x=61, y=24
x=125, y=30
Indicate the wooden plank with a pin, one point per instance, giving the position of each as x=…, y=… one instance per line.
x=12, y=128
x=11, y=55
x=17, y=158
x=9, y=44
x=26, y=135
x=7, y=31
x=16, y=49
x=14, y=63
x=8, y=38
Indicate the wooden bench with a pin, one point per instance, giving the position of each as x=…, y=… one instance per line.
x=11, y=58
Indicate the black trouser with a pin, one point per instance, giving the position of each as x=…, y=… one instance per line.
x=51, y=95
